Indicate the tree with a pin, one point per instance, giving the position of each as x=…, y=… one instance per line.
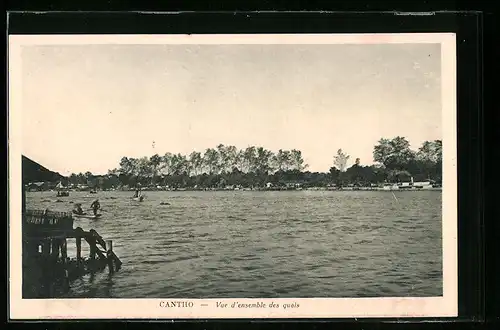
x=340, y=160
x=334, y=174
x=279, y=160
x=297, y=161
x=393, y=154
x=90, y=179
x=227, y=159
x=155, y=162
x=81, y=178
x=222, y=159
x=355, y=173
x=249, y=157
x=179, y=164
x=134, y=166
x=429, y=158
x=232, y=155
x=263, y=161
x=196, y=161
x=125, y=166
x=73, y=179
x=288, y=163
x=431, y=151
x=241, y=161
x=211, y=160
x=114, y=171
x=378, y=174
x=255, y=165
x=111, y=181
x=165, y=166
x=144, y=170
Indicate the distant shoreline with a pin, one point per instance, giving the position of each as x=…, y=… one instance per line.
x=258, y=189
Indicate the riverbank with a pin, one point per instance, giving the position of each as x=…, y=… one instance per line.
x=386, y=188
x=304, y=189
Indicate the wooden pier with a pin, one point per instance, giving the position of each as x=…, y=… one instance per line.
x=47, y=269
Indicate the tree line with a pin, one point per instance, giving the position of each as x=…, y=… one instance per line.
x=254, y=166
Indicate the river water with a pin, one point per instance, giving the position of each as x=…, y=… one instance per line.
x=254, y=244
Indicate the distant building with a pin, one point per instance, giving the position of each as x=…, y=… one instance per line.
x=82, y=187
x=408, y=185
x=37, y=186
x=293, y=184
x=423, y=185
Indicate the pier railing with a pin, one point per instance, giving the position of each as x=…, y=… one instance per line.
x=47, y=223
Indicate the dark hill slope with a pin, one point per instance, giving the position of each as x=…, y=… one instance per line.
x=34, y=172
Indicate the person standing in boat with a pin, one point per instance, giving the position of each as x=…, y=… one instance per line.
x=95, y=206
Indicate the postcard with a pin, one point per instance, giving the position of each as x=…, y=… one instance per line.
x=232, y=176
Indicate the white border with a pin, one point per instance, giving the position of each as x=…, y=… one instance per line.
x=445, y=306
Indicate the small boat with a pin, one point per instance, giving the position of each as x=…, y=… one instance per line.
x=62, y=191
x=138, y=199
x=87, y=216
x=93, y=192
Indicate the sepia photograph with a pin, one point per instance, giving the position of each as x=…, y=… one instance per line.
x=232, y=176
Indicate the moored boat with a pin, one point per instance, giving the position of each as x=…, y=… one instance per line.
x=87, y=216
x=62, y=191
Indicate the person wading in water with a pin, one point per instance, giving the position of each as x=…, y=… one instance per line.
x=137, y=193
x=95, y=206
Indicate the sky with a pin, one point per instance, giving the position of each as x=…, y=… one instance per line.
x=84, y=107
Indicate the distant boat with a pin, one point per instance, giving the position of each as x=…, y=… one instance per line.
x=62, y=190
x=138, y=199
x=93, y=192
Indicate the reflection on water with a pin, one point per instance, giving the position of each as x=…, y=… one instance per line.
x=264, y=244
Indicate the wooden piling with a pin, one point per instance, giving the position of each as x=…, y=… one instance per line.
x=46, y=248
x=93, y=251
x=78, y=250
x=66, y=280
x=64, y=250
x=55, y=248
x=109, y=256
